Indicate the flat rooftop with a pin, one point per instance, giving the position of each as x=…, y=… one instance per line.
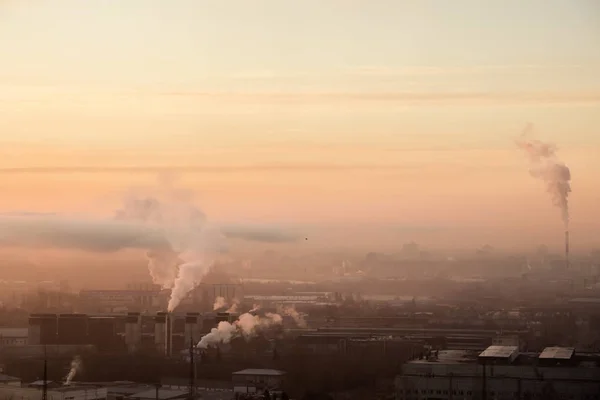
x=557, y=353
x=260, y=372
x=500, y=352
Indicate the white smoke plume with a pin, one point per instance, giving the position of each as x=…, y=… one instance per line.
x=235, y=303
x=547, y=166
x=246, y=325
x=296, y=316
x=219, y=303
x=193, y=244
x=255, y=308
x=75, y=367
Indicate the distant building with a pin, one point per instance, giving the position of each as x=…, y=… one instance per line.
x=9, y=380
x=500, y=372
x=14, y=336
x=8, y=392
x=258, y=380
x=161, y=394
x=118, y=300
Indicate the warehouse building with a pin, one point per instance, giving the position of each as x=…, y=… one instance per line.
x=501, y=372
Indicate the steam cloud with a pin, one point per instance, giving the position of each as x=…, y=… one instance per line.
x=219, y=303
x=296, y=316
x=193, y=244
x=246, y=325
x=546, y=166
x=181, y=245
x=75, y=367
x=234, y=306
x=255, y=308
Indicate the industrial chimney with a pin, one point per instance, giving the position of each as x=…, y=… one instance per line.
x=567, y=249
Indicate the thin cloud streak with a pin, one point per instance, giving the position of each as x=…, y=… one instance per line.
x=398, y=97
x=200, y=169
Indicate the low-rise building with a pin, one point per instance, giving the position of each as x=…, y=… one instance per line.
x=56, y=393
x=9, y=380
x=258, y=380
x=501, y=372
x=14, y=336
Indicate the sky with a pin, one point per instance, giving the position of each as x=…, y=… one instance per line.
x=390, y=113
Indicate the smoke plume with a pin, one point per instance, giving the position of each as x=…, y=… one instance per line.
x=247, y=325
x=219, y=303
x=255, y=308
x=234, y=306
x=296, y=316
x=547, y=167
x=193, y=244
x=75, y=367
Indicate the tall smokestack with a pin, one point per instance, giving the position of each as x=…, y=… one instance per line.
x=567, y=249
x=169, y=334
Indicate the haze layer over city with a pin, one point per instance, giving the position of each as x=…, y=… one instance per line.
x=429, y=152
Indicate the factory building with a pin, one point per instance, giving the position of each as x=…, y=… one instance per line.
x=162, y=333
x=72, y=329
x=54, y=393
x=43, y=329
x=258, y=380
x=500, y=372
x=14, y=336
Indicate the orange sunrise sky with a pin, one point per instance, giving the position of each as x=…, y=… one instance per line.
x=329, y=112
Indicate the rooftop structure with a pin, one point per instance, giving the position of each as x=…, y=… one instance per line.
x=56, y=393
x=500, y=353
x=461, y=374
x=557, y=353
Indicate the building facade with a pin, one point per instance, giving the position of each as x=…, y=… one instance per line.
x=501, y=372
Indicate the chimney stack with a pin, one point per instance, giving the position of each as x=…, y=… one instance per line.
x=567, y=249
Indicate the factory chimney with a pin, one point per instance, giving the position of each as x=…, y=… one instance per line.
x=169, y=335
x=567, y=249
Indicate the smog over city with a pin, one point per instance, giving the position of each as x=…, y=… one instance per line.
x=304, y=200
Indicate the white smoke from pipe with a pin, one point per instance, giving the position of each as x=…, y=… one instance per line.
x=547, y=166
x=75, y=366
x=255, y=308
x=219, y=303
x=296, y=316
x=193, y=245
x=234, y=306
x=246, y=325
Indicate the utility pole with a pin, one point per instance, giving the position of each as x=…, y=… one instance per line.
x=192, y=369
x=45, y=383
x=484, y=383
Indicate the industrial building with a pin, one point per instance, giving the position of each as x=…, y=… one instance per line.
x=54, y=393
x=151, y=298
x=165, y=333
x=258, y=380
x=500, y=372
x=13, y=336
